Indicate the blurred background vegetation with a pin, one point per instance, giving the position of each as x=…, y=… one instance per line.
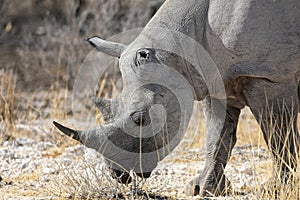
x=42, y=41
x=42, y=47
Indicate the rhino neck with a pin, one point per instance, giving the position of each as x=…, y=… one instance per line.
x=187, y=17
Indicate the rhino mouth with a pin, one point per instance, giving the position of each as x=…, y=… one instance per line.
x=125, y=178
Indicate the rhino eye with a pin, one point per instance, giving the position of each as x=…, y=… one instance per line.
x=143, y=56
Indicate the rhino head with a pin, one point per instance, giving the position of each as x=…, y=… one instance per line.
x=149, y=118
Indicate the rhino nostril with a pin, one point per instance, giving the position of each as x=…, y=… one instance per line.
x=140, y=118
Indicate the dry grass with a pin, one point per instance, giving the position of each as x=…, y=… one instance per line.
x=7, y=101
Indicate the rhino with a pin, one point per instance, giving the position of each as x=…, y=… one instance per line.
x=255, y=46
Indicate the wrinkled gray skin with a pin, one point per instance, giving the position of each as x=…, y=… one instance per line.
x=256, y=47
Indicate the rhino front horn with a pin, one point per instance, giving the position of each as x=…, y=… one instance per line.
x=110, y=48
x=93, y=138
x=76, y=135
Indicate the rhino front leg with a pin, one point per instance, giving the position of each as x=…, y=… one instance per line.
x=276, y=107
x=221, y=138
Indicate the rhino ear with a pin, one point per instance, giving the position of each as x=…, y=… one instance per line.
x=110, y=48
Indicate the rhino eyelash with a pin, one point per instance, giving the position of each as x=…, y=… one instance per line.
x=136, y=63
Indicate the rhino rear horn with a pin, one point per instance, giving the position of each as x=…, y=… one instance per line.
x=110, y=48
x=105, y=107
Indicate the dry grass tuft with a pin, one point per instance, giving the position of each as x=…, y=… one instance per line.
x=92, y=180
x=7, y=103
x=7, y=96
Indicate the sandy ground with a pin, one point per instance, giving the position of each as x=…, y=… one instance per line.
x=32, y=170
